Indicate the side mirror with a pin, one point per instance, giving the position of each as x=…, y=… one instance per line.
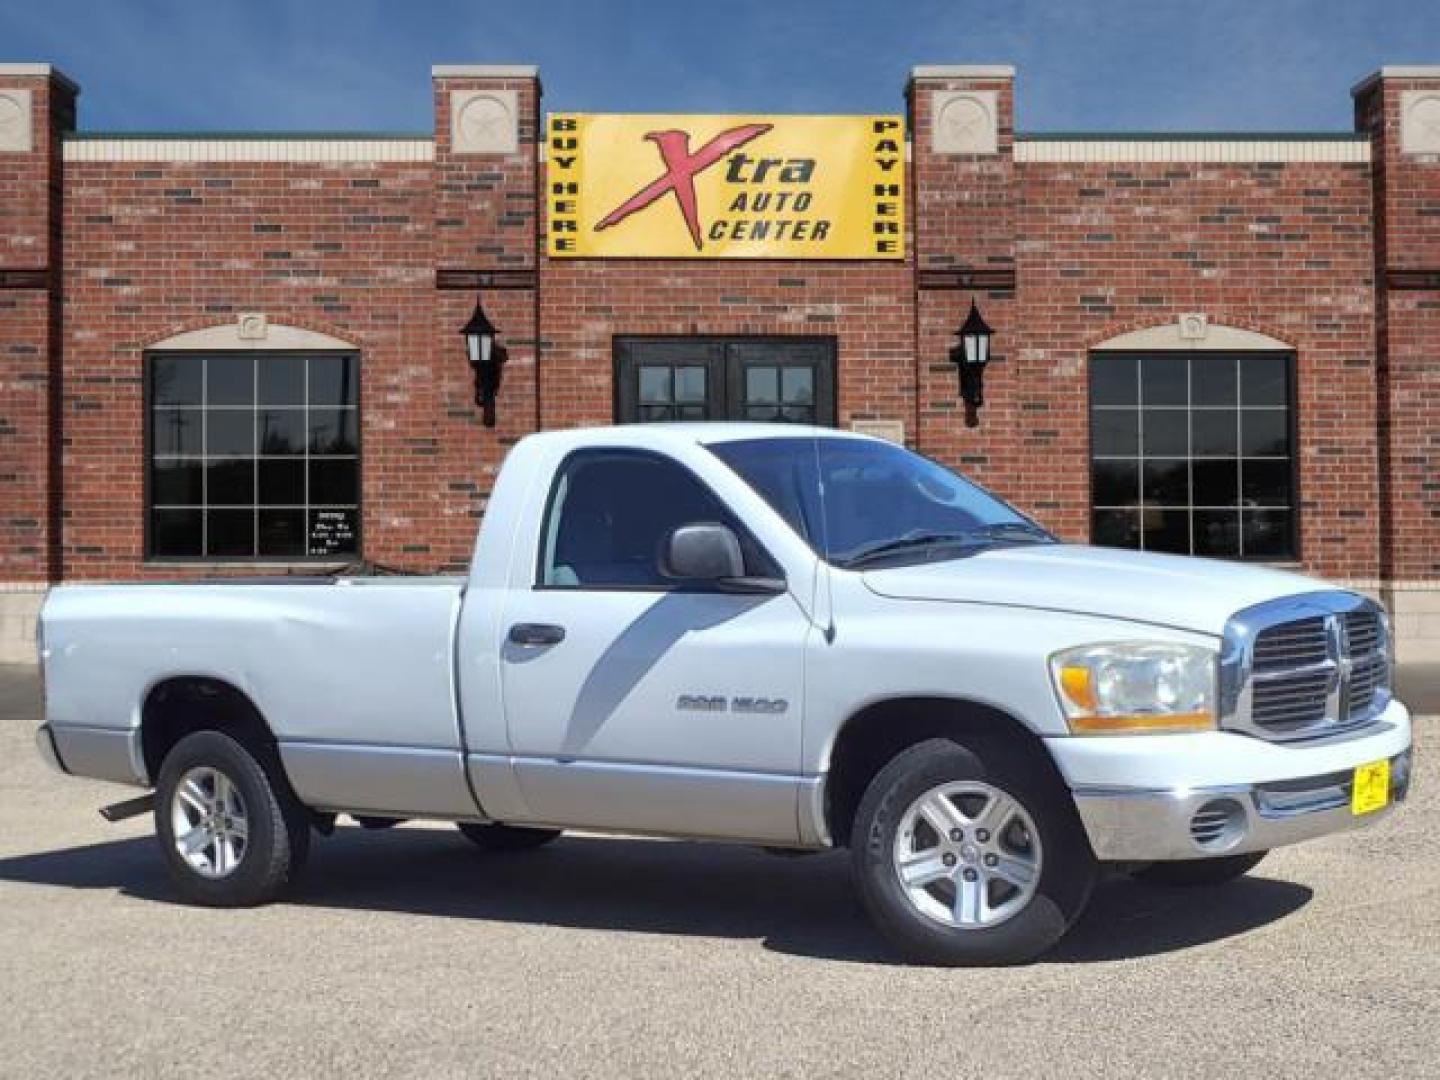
x=707, y=553
x=702, y=552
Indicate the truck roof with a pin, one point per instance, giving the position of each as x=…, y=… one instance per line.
x=702, y=432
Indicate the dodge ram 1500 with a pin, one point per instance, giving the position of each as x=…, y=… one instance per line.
x=787, y=637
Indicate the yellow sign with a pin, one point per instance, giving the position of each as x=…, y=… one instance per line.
x=1370, y=788
x=726, y=187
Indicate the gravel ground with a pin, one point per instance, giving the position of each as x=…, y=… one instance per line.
x=409, y=953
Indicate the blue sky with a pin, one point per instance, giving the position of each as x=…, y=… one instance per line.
x=364, y=64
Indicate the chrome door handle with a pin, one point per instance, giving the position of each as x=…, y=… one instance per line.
x=528, y=633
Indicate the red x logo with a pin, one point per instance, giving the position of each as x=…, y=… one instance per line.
x=681, y=168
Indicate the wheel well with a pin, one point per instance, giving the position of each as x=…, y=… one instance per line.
x=873, y=736
x=178, y=707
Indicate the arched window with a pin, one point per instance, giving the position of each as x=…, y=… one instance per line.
x=252, y=453
x=1192, y=448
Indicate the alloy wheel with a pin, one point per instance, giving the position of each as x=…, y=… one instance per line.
x=209, y=821
x=967, y=855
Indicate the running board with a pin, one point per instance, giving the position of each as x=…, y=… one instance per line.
x=119, y=811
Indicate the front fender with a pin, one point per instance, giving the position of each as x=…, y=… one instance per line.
x=995, y=656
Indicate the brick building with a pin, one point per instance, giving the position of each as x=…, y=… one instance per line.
x=225, y=352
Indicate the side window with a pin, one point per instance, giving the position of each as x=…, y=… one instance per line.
x=611, y=510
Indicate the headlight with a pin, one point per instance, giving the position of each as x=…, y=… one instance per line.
x=1136, y=687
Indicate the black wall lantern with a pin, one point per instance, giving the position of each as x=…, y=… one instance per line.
x=487, y=357
x=970, y=356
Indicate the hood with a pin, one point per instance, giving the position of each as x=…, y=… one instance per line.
x=1169, y=590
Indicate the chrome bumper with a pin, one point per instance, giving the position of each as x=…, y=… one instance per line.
x=1140, y=825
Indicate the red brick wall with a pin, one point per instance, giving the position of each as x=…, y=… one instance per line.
x=1064, y=257
x=1281, y=249
x=349, y=249
x=965, y=221
x=485, y=219
x=865, y=306
x=24, y=442
x=1407, y=208
x=1101, y=249
x=486, y=206
x=156, y=248
x=964, y=204
x=30, y=252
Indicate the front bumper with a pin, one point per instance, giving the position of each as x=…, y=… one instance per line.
x=1224, y=794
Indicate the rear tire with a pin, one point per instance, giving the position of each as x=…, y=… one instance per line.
x=978, y=895
x=231, y=831
x=505, y=837
x=1213, y=871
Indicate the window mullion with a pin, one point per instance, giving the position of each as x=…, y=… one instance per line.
x=204, y=457
x=254, y=458
x=1140, y=445
x=305, y=459
x=1240, y=514
x=1190, y=452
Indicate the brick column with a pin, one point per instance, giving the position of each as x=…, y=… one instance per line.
x=37, y=105
x=485, y=244
x=963, y=184
x=1400, y=108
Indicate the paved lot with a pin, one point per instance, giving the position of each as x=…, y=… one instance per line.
x=408, y=953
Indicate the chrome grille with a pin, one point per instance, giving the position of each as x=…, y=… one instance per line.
x=1362, y=631
x=1291, y=699
x=1305, y=666
x=1367, y=679
x=1292, y=645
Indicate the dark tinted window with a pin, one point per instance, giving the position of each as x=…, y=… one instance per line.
x=610, y=514
x=1191, y=453
x=253, y=456
x=847, y=497
x=679, y=392
x=776, y=379
x=785, y=474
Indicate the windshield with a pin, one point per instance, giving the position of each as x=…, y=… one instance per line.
x=863, y=503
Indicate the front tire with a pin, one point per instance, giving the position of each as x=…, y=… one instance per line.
x=1212, y=871
x=231, y=831
x=505, y=837
x=969, y=855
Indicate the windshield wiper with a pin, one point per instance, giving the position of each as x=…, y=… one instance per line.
x=918, y=538
x=981, y=536
x=1005, y=530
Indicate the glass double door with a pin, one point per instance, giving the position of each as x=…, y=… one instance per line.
x=775, y=380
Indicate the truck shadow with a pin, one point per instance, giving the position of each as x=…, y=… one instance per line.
x=801, y=906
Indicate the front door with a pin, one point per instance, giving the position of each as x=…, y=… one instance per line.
x=632, y=704
x=778, y=380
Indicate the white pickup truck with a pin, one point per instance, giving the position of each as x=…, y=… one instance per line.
x=788, y=637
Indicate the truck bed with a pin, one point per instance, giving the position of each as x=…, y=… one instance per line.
x=360, y=666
